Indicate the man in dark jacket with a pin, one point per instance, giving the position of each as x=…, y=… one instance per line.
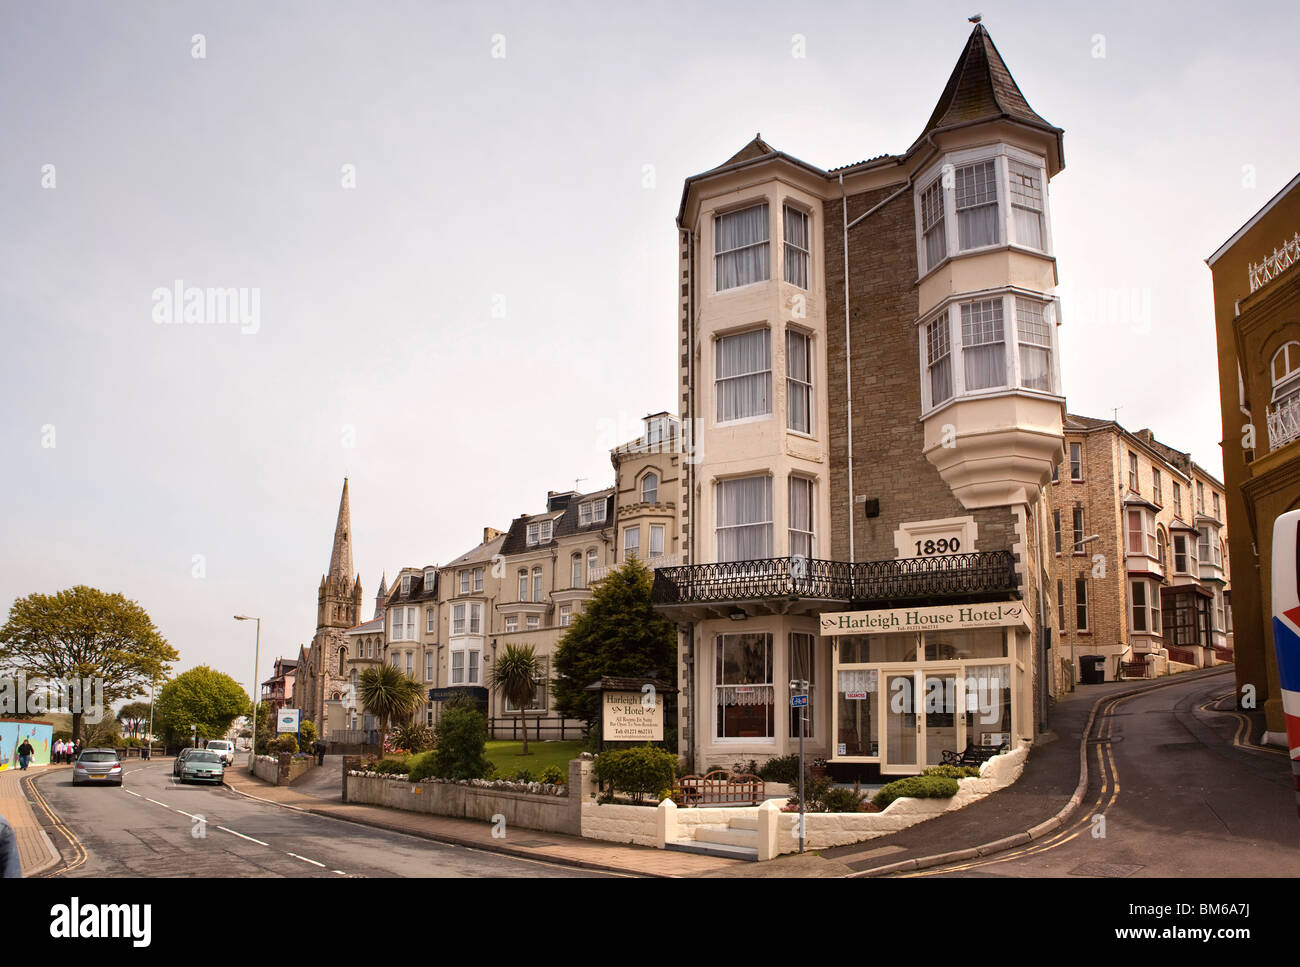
x=319, y=748
x=10, y=868
x=25, y=753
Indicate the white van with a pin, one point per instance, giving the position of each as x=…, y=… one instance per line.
x=223, y=748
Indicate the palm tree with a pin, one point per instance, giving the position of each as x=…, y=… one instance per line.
x=515, y=673
x=390, y=694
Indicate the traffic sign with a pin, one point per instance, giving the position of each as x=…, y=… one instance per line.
x=798, y=701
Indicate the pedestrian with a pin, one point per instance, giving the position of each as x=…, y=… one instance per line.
x=10, y=868
x=25, y=753
x=319, y=748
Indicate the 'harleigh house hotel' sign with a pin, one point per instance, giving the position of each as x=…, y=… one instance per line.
x=947, y=617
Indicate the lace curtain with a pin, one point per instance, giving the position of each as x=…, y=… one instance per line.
x=744, y=527
x=983, y=349
x=743, y=363
x=740, y=240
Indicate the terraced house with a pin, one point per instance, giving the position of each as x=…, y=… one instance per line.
x=870, y=381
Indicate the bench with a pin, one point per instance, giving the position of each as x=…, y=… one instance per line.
x=721, y=788
x=974, y=755
x=1133, y=669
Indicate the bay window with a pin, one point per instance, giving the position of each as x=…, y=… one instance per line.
x=1184, y=555
x=656, y=540
x=465, y=664
x=797, y=247
x=1026, y=204
x=533, y=621
x=631, y=543
x=744, y=700
x=650, y=488
x=802, y=530
x=1145, y=611
x=933, y=233
x=983, y=348
x=798, y=381
x=938, y=348
x=977, y=205
x=740, y=245
x=743, y=375
x=744, y=518
x=458, y=619
x=1141, y=532
x=1035, y=346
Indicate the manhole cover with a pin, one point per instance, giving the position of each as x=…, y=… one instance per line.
x=534, y=842
x=1109, y=870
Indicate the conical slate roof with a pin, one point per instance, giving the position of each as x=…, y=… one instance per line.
x=341, y=556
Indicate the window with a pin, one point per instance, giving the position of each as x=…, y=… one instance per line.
x=476, y=619
x=797, y=246
x=591, y=512
x=932, y=225
x=1162, y=548
x=584, y=514
x=1133, y=472
x=977, y=205
x=428, y=579
x=1081, y=604
x=1215, y=499
x=575, y=571
x=458, y=619
x=534, y=622
x=744, y=706
x=428, y=666
x=523, y=584
x=1141, y=532
x=537, y=584
x=1286, y=373
x=656, y=540
x=1026, y=204
x=802, y=536
x=429, y=626
x=464, y=582
x=406, y=585
x=1200, y=497
x=798, y=381
x=566, y=613
x=1178, y=499
x=593, y=561
x=512, y=623
x=744, y=518
x=540, y=532
x=631, y=542
x=1056, y=473
x=1035, y=347
x=1155, y=485
x=1220, y=614
x=1076, y=461
x=803, y=667
x=410, y=624
x=743, y=365
x=1145, y=609
x=740, y=247
x=650, y=488
x=1182, y=561
x=1208, y=550
x=938, y=349
x=1060, y=605
x=409, y=659
x=465, y=666
x=1056, y=529
x=984, y=354
x=1079, y=547
x=397, y=660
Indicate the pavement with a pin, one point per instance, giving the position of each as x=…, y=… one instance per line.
x=35, y=851
x=318, y=793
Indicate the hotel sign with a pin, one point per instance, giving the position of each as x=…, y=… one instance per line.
x=630, y=717
x=950, y=617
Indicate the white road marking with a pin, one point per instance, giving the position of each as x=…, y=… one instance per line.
x=157, y=803
x=242, y=836
x=184, y=813
x=339, y=872
x=130, y=793
x=305, y=860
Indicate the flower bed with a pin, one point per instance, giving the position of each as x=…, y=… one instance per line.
x=535, y=788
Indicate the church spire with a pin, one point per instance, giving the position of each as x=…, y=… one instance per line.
x=341, y=556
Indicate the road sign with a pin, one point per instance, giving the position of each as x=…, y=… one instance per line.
x=798, y=701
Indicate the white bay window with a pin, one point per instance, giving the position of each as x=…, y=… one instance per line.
x=740, y=245
x=798, y=381
x=744, y=518
x=797, y=247
x=743, y=375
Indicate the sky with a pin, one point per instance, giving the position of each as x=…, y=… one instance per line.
x=452, y=228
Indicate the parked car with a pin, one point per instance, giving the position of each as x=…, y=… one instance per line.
x=203, y=766
x=180, y=758
x=98, y=766
x=223, y=748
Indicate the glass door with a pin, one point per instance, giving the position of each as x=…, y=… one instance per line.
x=939, y=710
x=903, y=717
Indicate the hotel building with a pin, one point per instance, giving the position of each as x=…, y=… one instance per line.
x=871, y=392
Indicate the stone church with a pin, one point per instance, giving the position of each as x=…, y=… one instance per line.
x=322, y=682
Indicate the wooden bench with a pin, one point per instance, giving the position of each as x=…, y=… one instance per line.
x=721, y=788
x=974, y=755
x=1133, y=669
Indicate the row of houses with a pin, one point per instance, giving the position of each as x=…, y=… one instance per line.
x=871, y=494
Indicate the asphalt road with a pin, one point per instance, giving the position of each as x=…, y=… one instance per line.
x=155, y=827
x=1173, y=793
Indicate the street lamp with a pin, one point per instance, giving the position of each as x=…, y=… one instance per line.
x=257, y=649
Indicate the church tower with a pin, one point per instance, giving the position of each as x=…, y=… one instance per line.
x=338, y=601
x=381, y=597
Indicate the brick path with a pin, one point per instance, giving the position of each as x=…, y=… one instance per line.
x=548, y=847
x=35, y=851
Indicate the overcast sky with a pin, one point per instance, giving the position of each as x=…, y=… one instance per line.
x=492, y=306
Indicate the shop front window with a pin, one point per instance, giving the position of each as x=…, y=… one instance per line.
x=803, y=667
x=857, y=691
x=988, y=705
x=744, y=697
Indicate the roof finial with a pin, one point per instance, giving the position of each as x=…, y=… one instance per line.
x=976, y=19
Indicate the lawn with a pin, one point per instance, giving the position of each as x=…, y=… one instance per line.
x=508, y=757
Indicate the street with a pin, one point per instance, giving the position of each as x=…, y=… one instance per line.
x=156, y=827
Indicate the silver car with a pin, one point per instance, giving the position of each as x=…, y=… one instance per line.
x=101, y=767
x=203, y=766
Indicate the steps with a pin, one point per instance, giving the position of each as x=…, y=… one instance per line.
x=738, y=839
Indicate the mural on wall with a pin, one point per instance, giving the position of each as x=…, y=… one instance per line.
x=39, y=734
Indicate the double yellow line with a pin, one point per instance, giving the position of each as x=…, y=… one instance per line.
x=79, y=851
x=1109, y=784
x=1240, y=738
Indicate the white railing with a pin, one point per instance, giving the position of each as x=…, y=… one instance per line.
x=1283, y=422
x=600, y=572
x=1274, y=265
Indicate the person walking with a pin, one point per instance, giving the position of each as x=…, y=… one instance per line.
x=319, y=748
x=25, y=753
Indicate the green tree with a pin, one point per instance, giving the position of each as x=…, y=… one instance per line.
x=203, y=697
x=461, y=743
x=307, y=728
x=84, y=633
x=515, y=673
x=619, y=634
x=389, y=694
x=134, y=718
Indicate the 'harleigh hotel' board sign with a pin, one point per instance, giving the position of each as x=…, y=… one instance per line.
x=951, y=617
x=632, y=717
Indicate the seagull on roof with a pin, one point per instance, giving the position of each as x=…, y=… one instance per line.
x=976, y=19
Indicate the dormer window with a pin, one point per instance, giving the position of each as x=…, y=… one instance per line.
x=591, y=512
x=428, y=579
x=406, y=585
x=740, y=246
x=539, y=533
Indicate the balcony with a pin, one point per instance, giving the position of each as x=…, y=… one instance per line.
x=796, y=585
x=1261, y=273
x=1283, y=422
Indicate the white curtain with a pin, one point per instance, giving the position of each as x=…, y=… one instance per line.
x=1027, y=204
x=1032, y=327
x=740, y=240
x=650, y=488
x=939, y=359
x=801, y=517
x=977, y=205
x=932, y=225
x=743, y=364
x=796, y=247
x=744, y=509
x=798, y=382
x=983, y=350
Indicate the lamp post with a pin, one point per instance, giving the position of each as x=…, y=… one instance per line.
x=153, y=687
x=257, y=649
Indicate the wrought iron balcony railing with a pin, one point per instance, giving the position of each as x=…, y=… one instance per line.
x=907, y=579
x=1283, y=422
